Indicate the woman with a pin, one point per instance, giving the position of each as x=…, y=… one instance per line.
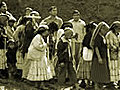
x=84, y=67
x=39, y=68
x=99, y=68
x=113, y=46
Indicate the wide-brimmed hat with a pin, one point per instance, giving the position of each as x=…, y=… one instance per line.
x=34, y=14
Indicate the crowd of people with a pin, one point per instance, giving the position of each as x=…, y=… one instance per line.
x=56, y=51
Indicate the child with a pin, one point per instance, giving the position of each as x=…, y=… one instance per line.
x=11, y=58
x=65, y=59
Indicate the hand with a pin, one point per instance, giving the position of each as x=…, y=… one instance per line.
x=100, y=60
x=62, y=64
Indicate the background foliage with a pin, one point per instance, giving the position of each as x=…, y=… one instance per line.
x=91, y=10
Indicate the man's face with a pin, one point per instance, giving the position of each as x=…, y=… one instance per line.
x=27, y=13
x=76, y=17
x=3, y=9
x=53, y=12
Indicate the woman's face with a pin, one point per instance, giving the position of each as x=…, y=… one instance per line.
x=117, y=29
x=3, y=8
x=45, y=34
x=104, y=30
x=68, y=34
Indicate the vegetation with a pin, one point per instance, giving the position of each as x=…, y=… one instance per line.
x=91, y=10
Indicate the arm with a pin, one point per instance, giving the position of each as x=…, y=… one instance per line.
x=98, y=55
x=111, y=42
x=38, y=43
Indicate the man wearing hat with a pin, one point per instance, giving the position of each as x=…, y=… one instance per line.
x=79, y=29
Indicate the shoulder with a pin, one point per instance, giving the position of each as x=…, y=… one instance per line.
x=47, y=18
x=71, y=20
x=58, y=18
x=83, y=22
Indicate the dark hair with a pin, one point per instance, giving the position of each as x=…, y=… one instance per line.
x=53, y=27
x=76, y=12
x=51, y=8
x=66, y=24
x=90, y=26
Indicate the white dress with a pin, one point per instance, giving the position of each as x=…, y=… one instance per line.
x=39, y=69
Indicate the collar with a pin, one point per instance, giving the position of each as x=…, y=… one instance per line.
x=72, y=20
x=52, y=17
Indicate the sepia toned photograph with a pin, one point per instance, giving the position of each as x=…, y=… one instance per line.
x=59, y=44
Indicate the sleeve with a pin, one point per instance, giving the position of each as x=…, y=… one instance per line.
x=111, y=41
x=60, y=23
x=38, y=43
x=15, y=34
x=97, y=41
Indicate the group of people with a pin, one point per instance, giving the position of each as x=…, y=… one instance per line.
x=51, y=49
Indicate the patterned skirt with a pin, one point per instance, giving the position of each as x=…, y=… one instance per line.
x=84, y=69
x=114, y=70
x=39, y=70
x=3, y=59
x=19, y=57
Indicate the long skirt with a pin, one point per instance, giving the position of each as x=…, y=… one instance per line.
x=100, y=73
x=114, y=70
x=39, y=70
x=84, y=69
x=19, y=57
x=114, y=64
x=3, y=62
x=26, y=64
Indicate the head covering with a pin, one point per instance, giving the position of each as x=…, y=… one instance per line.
x=28, y=8
x=66, y=24
x=41, y=29
x=34, y=14
x=90, y=26
x=114, y=25
x=96, y=31
x=10, y=41
x=2, y=4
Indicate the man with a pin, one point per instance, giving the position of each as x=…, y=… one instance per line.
x=52, y=18
x=79, y=30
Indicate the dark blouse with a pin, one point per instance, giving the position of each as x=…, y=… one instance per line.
x=101, y=47
x=62, y=52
